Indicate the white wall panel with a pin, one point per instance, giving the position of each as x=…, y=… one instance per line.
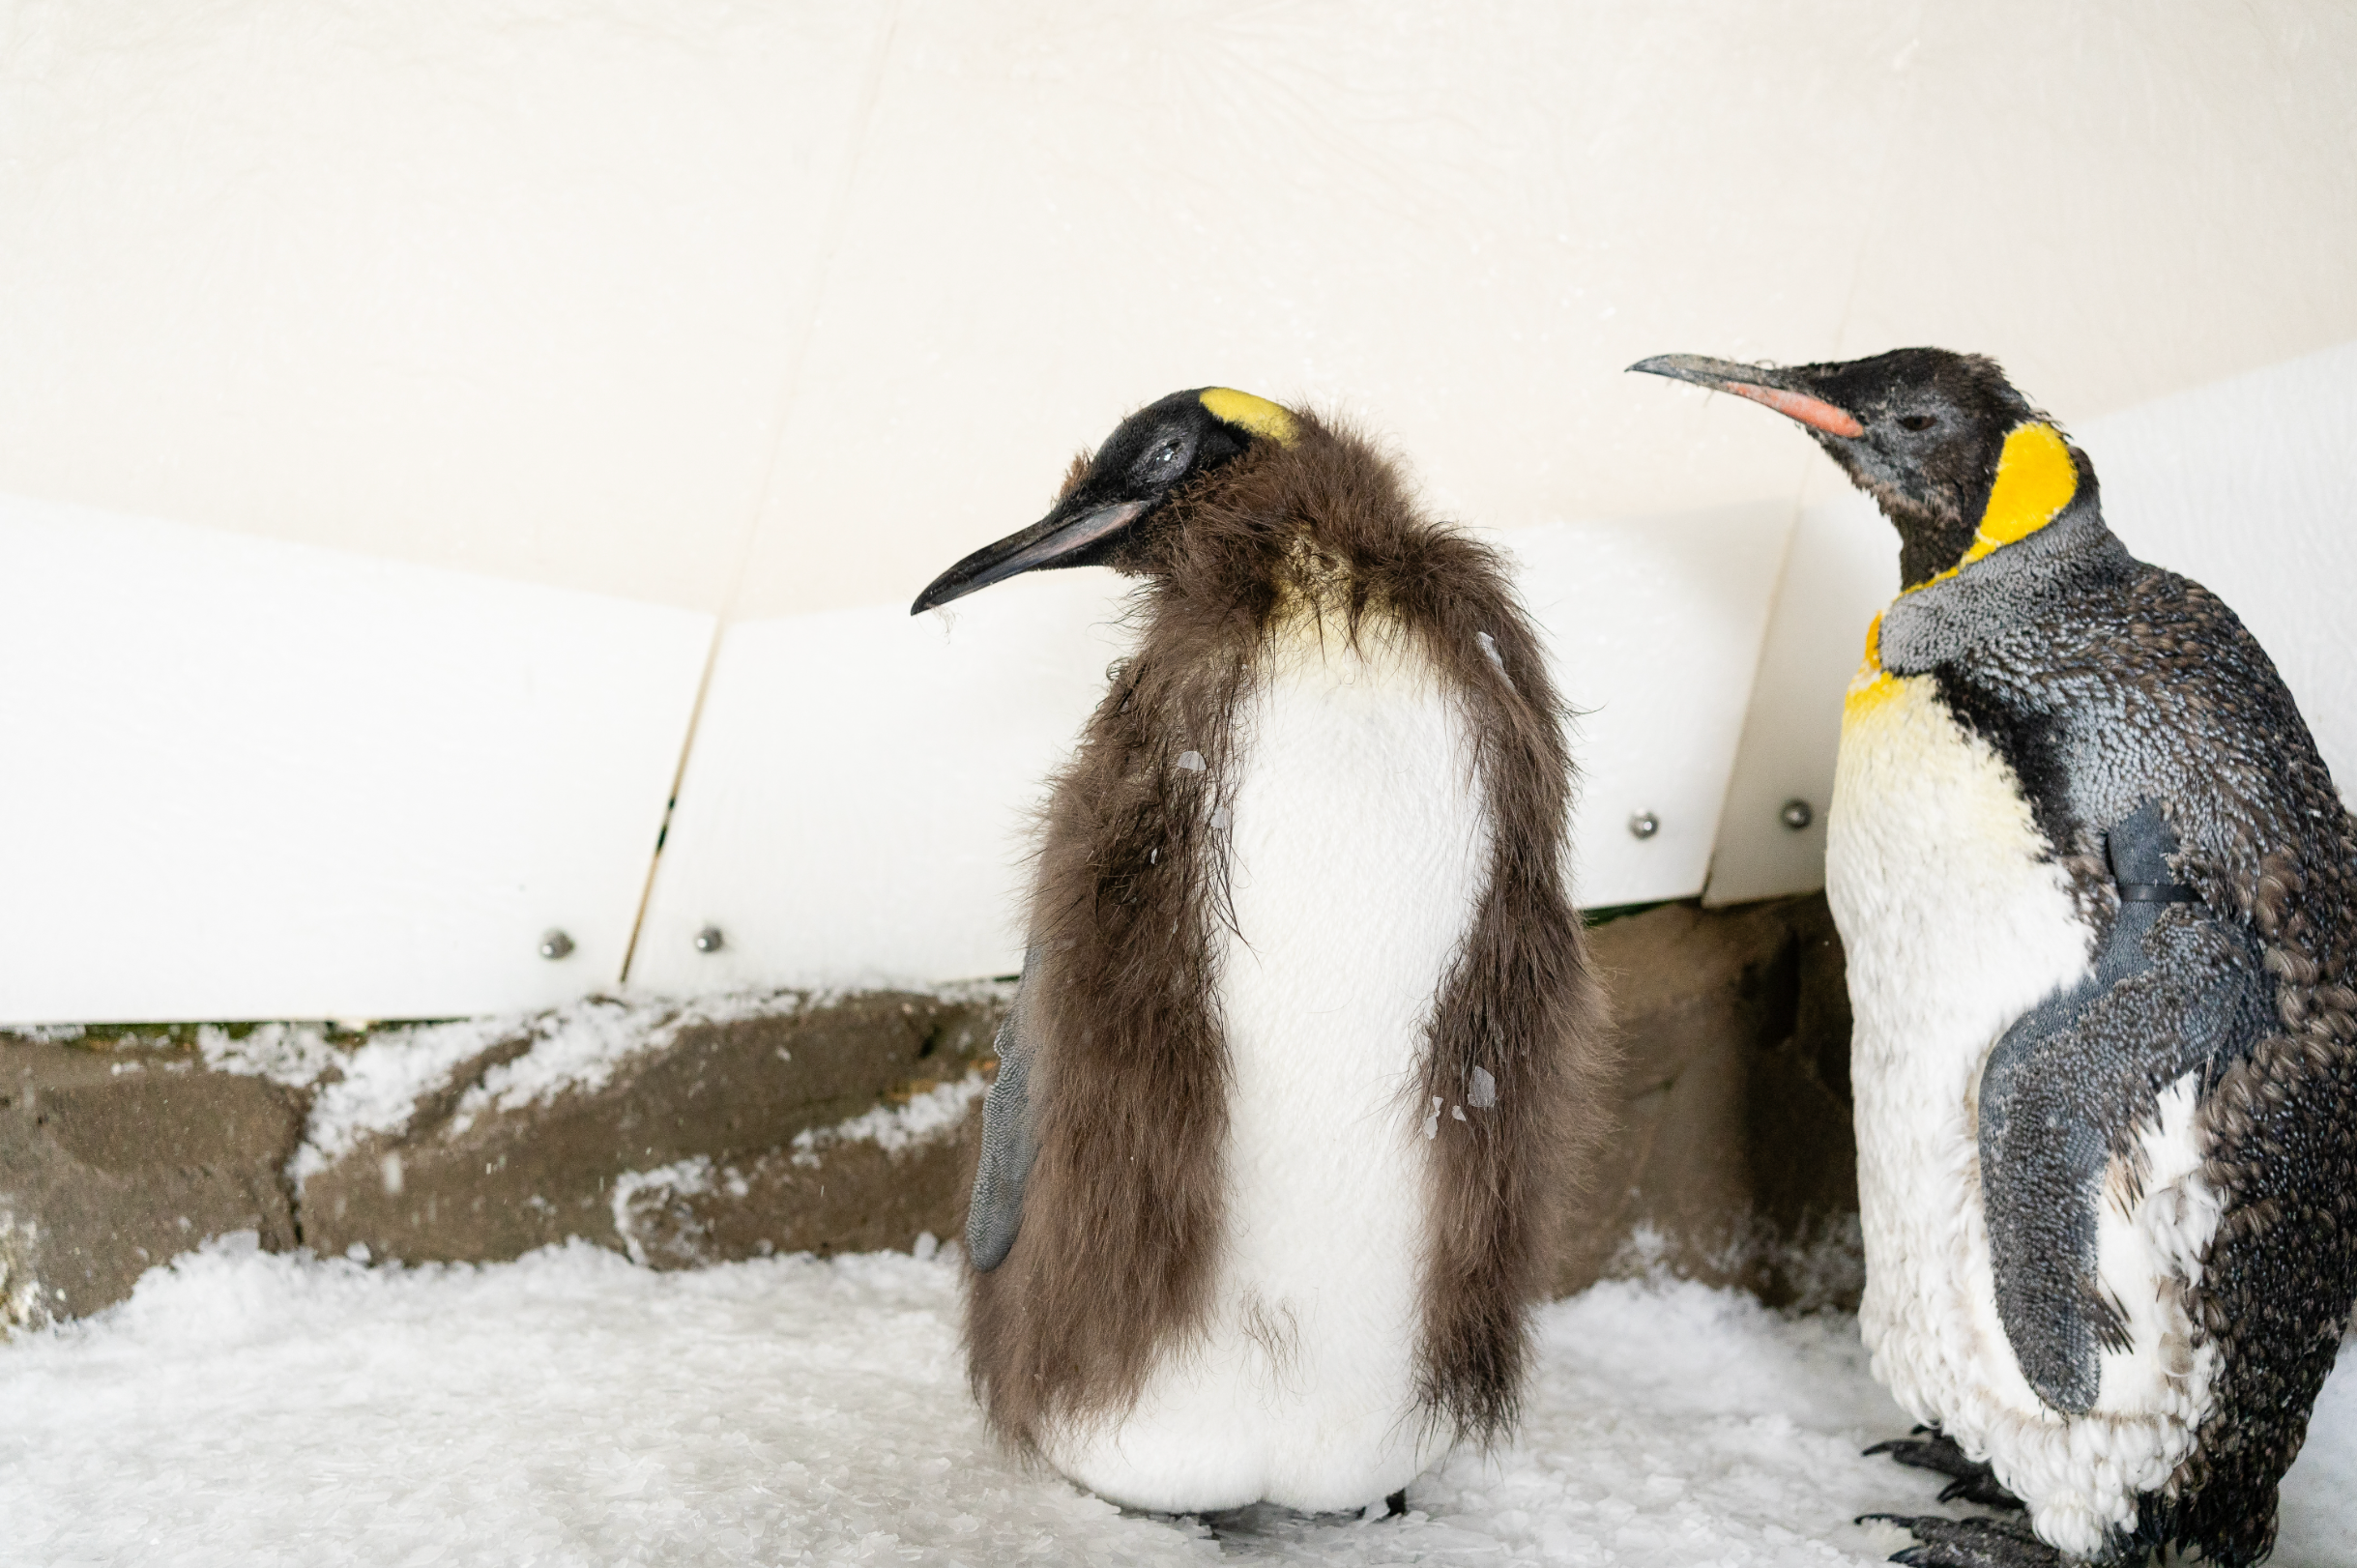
x=545, y=288
x=1456, y=223
x=2117, y=199
x=1460, y=221
x=769, y=309
x=856, y=809
x=246, y=778
x=1842, y=569
x=2248, y=485
x=1656, y=628
x=515, y=286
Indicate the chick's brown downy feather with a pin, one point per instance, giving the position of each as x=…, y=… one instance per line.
x=1122, y=1213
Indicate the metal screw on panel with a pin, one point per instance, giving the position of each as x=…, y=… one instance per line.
x=555, y=944
x=1643, y=824
x=710, y=941
x=1796, y=815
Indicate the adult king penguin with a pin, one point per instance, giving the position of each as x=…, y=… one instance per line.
x=2099, y=900
x=1305, y=1037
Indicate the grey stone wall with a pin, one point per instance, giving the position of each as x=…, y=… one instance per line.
x=686, y=1134
x=1735, y=1161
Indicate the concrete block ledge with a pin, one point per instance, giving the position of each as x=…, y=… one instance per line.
x=685, y=1133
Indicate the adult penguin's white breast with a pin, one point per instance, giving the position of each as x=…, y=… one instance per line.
x=1956, y=919
x=1358, y=848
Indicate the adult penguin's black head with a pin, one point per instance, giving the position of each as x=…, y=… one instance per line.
x=1925, y=432
x=1108, y=517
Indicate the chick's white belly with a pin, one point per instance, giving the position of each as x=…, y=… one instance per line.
x=1358, y=853
x=1955, y=922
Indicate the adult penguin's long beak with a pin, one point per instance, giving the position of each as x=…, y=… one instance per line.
x=1051, y=541
x=1761, y=384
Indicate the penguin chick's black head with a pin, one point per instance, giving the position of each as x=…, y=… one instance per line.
x=1922, y=431
x=1107, y=516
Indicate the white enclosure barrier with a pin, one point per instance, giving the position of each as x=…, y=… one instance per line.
x=855, y=807
x=246, y=778
x=758, y=313
x=858, y=804
x=257, y=778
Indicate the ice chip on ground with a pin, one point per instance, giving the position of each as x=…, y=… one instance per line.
x=1484, y=1093
x=1190, y=762
x=682, y=1179
x=390, y=1171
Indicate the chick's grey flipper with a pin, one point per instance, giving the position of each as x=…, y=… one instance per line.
x=2073, y=1083
x=1007, y=1148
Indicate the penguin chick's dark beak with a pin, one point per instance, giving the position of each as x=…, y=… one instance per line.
x=1047, y=541
x=1758, y=383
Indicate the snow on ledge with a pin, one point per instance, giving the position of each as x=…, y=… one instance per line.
x=932, y=1115
x=384, y=1080
x=576, y=1048
x=926, y=1116
x=295, y=1055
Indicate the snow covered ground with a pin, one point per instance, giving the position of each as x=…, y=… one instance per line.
x=251, y=1409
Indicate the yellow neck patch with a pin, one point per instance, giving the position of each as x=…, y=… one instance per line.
x=2036, y=479
x=1872, y=686
x=1257, y=414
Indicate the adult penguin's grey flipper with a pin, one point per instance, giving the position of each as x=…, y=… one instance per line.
x=2068, y=1089
x=1008, y=1146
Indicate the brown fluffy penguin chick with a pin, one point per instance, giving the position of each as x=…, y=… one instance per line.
x=1306, y=1052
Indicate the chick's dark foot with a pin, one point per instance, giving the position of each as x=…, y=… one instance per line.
x=1396, y=1504
x=1931, y=1449
x=1969, y=1543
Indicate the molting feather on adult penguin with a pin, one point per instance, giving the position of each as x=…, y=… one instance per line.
x=2099, y=899
x=1306, y=1046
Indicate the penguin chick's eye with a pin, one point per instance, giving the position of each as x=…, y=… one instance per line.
x=1166, y=459
x=1916, y=422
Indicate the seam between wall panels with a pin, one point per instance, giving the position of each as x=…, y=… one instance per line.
x=671, y=802
x=831, y=231
x=1751, y=701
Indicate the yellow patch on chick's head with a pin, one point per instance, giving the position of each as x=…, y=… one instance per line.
x=1257, y=414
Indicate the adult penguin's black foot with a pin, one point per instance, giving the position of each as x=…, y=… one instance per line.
x=1968, y=1479
x=1396, y=1504
x=1969, y=1543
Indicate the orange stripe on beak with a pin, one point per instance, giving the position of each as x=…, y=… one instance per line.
x=1814, y=412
